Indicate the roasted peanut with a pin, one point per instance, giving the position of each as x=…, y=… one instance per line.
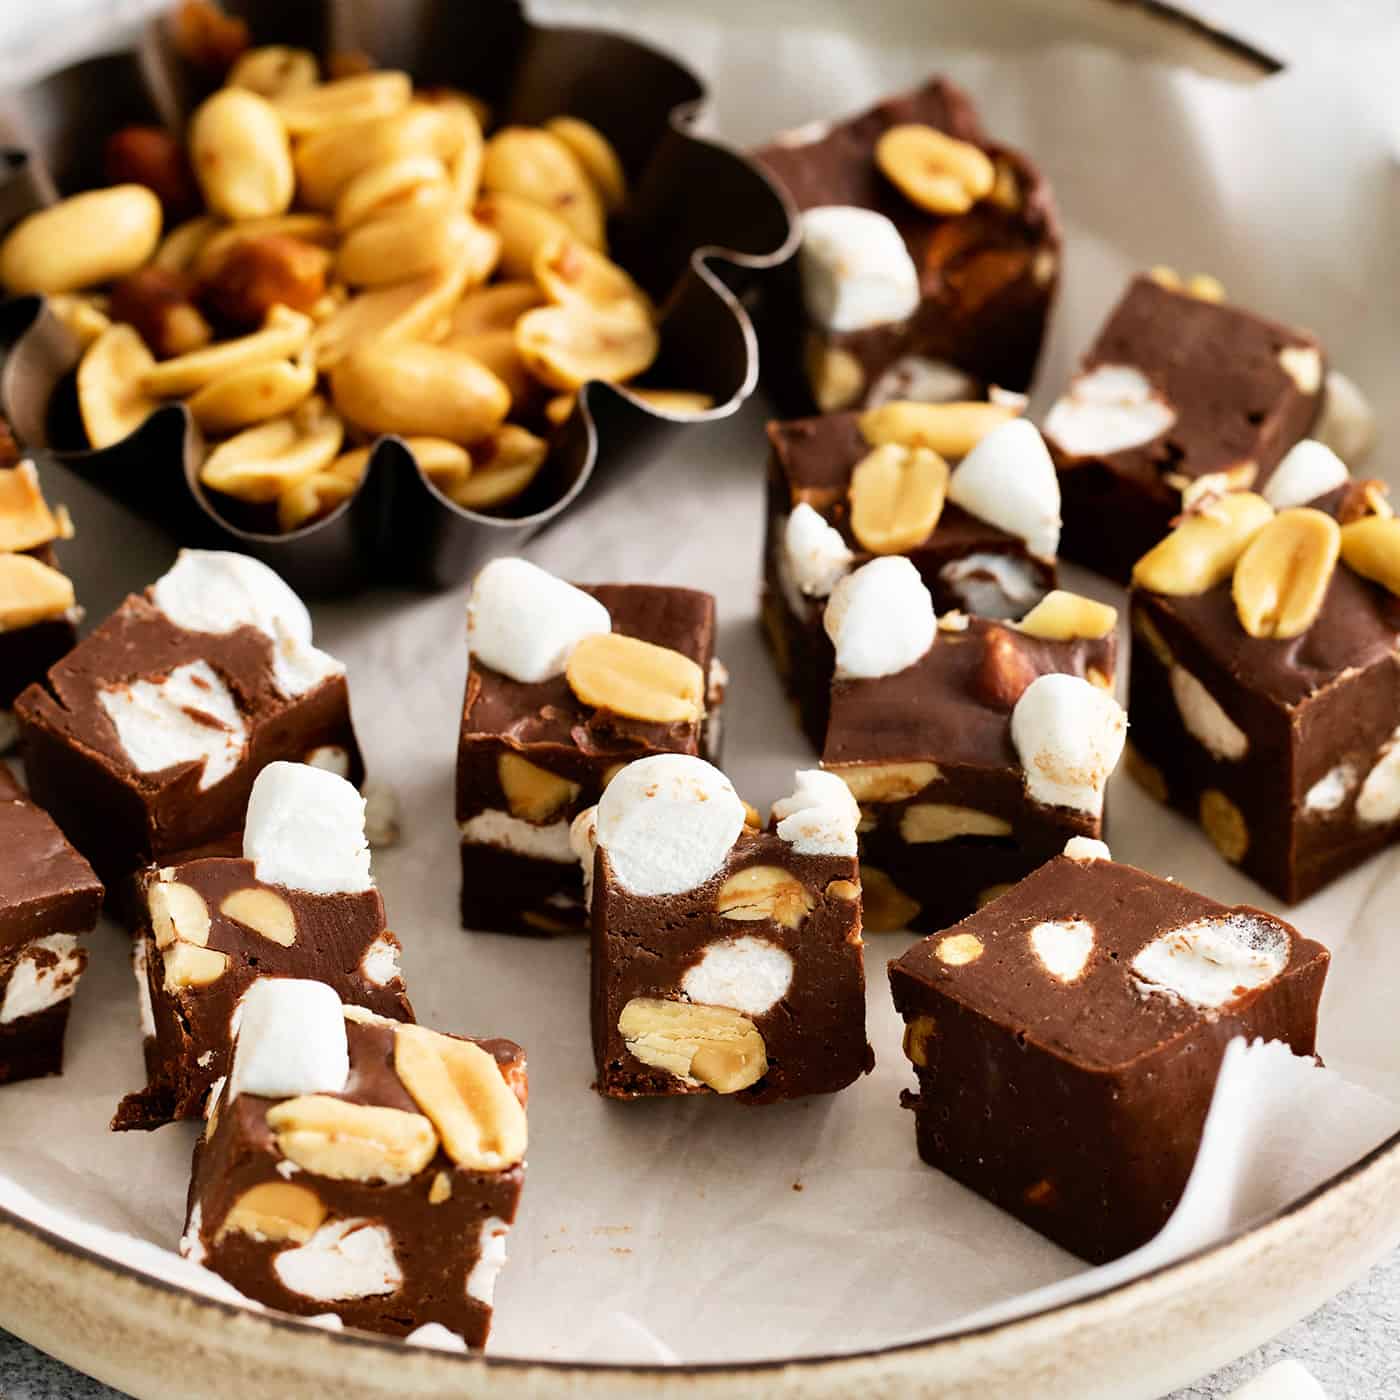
x=1224, y=823
x=319, y=494
x=533, y=794
x=277, y=1211
x=265, y=912
x=637, y=679
x=1061, y=616
x=445, y=464
x=524, y=229
x=31, y=591
x=930, y=822
x=709, y=1045
x=398, y=246
x=1203, y=550
x=1282, y=577
x=275, y=70
x=535, y=165
x=158, y=305
x=260, y=463
x=886, y=782
x=573, y=274
x=494, y=308
x=949, y=429
x=181, y=247
x=26, y=522
x=81, y=241
x=885, y=908
x=151, y=156
x=111, y=396
x=834, y=375
x=497, y=350
x=241, y=157
x=765, y=892
x=504, y=463
x=283, y=334
x=568, y=346
x=349, y=101
x=896, y=497
x=390, y=187
x=207, y=37
x=253, y=394
x=959, y=949
x=187, y=965
x=258, y=273
x=934, y=170
x=595, y=153
x=83, y=317
x=1371, y=548
x=352, y=1141
x=327, y=161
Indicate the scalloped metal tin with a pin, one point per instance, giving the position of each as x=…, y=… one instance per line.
x=701, y=222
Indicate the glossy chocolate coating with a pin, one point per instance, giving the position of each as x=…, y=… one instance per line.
x=1078, y=1106
x=1218, y=366
x=545, y=723
x=436, y=1245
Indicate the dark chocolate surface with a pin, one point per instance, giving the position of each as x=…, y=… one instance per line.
x=26, y=653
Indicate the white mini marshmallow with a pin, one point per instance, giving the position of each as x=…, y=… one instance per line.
x=380, y=963
x=747, y=974
x=35, y=983
x=1069, y=735
x=481, y=1282
x=1108, y=409
x=216, y=591
x=1213, y=962
x=1204, y=719
x=1086, y=848
x=855, y=270
x=916, y=379
x=1303, y=365
x=524, y=622
x=1348, y=422
x=334, y=758
x=1378, y=802
x=496, y=828
x=993, y=585
x=435, y=1335
x=668, y=823
x=188, y=716
x=305, y=829
x=1309, y=469
x=344, y=1259
x=1331, y=790
x=145, y=1009
x=291, y=1040
x=1063, y=947
x=1009, y=481
x=880, y=619
x=817, y=556
x=1289, y=1380
x=821, y=816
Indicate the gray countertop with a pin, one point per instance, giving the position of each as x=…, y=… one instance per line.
x=1352, y=1346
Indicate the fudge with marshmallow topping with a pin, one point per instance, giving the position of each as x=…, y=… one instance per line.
x=975, y=748
x=726, y=959
x=143, y=742
x=565, y=685
x=1178, y=386
x=905, y=288
x=1067, y=1038
x=1265, y=683
x=842, y=491
x=300, y=903
x=49, y=897
x=359, y=1166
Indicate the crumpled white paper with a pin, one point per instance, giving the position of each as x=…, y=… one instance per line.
x=700, y=1231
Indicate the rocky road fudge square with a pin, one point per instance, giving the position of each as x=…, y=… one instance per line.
x=1265, y=694
x=850, y=487
x=929, y=257
x=301, y=903
x=356, y=1165
x=145, y=739
x=1068, y=1036
x=975, y=748
x=565, y=685
x=726, y=959
x=38, y=609
x=1178, y=386
x=49, y=897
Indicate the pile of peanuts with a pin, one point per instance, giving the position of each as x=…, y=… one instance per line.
x=345, y=257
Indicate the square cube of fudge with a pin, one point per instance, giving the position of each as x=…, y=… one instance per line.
x=300, y=903
x=359, y=1166
x=145, y=739
x=898, y=292
x=1175, y=388
x=1278, y=729
x=49, y=897
x=38, y=611
x=837, y=498
x=1067, y=1040
x=565, y=685
x=976, y=749
x=726, y=959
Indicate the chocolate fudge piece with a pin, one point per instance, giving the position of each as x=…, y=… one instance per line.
x=1067, y=1040
x=1265, y=680
x=1175, y=388
x=975, y=748
x=726, y=959
x=48, y=898
x=898, y=295
x=565, y=685
x=358, y=1166
x=145, y=739
x=301, y=903
x=38, y=611
x=837, y=497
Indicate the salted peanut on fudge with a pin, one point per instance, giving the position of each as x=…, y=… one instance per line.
x=930, y=256
x=566, y=684
x=726, y=960
x=301, y=903
x=358, y=1166
x=975, y=748
x=1067, y=1040
x=850, y=487
x=38, y=610
x=49, y=897
x=1178, y=386
x=1265, y=685
x=145, y=739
